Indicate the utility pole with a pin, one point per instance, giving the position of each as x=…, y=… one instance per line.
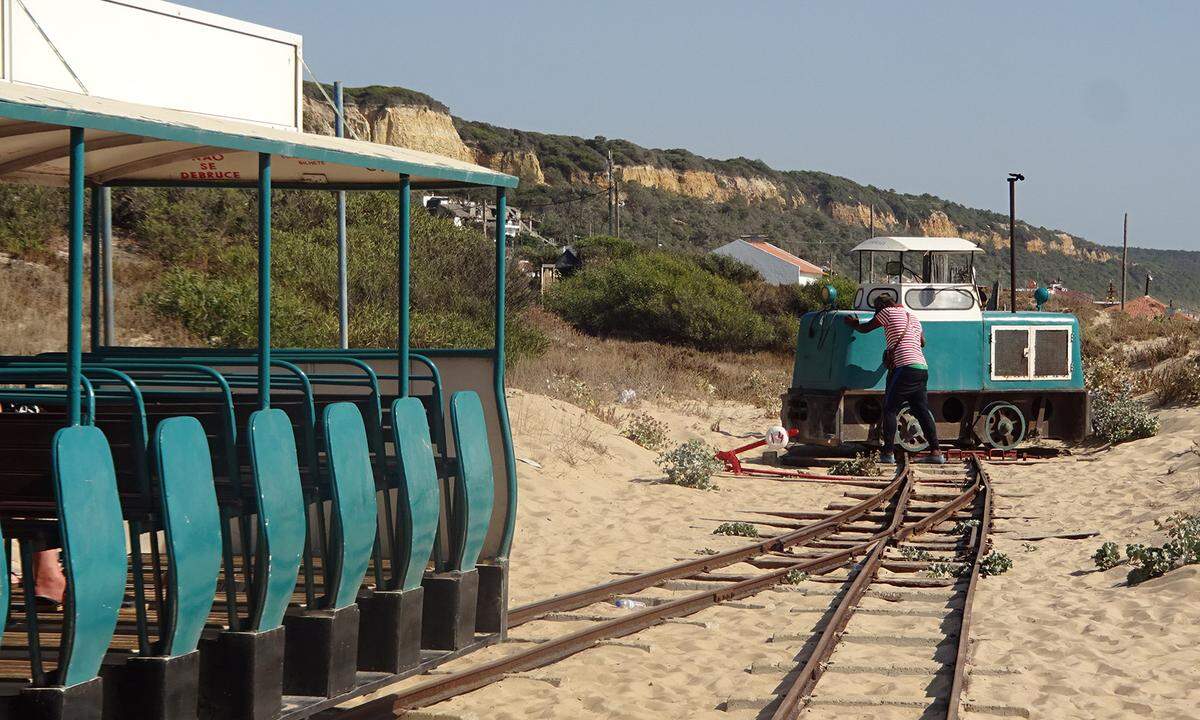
x=1013, y=179
x=617, y=200
x=872, y=222
x=1125, y=259
x=612, y=199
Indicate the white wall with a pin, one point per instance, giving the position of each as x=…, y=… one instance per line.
x=156, y=53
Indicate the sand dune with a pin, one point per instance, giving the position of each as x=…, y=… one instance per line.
x=1053, y=636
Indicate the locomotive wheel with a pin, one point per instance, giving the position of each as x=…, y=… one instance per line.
x=909, y=434
x=1003, y=426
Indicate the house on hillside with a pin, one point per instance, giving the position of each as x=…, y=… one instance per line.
x=777, y=266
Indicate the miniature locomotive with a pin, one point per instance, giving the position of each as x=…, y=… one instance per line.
x=995, y=378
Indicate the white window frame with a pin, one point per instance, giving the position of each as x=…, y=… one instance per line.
x=1031, y=352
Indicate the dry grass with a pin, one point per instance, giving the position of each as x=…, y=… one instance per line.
x=33, y=305
x=592, y=372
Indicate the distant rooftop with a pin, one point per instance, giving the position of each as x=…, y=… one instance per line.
x=804, y=265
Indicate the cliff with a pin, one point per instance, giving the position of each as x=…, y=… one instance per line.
x=675, y=198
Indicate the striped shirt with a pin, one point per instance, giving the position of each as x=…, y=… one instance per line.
x=902, y=333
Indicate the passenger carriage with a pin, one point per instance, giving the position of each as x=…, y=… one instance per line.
x=995, y=378
x=246, y=533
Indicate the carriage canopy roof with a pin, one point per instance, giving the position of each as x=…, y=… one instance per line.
x=917, y=244
x=131, y=144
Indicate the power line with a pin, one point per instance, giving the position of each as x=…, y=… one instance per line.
x=569, y=200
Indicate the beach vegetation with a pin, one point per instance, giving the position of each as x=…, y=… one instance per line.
x=691, y=464
x=740, y=529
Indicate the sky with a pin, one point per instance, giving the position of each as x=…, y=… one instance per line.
x=1096, y=102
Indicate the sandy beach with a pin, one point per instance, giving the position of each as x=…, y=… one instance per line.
x=1053, y=638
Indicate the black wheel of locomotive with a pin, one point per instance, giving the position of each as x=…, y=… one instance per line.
x=1002, y=425
x=909, y=434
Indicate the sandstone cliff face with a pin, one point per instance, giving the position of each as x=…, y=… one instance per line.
x=417, y=128
x=859, y=214
x=522, y=163
x=703, y=184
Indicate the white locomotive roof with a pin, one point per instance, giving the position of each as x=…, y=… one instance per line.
x=917, y=244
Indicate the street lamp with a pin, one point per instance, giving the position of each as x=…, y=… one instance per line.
x=1013, y=179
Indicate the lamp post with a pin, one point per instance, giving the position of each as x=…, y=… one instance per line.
x=1013, y=179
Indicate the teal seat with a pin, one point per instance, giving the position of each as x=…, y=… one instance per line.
x=353, y=493
x=281, y=520
x=474, y=492
x=192, y=524
x=420, y=500
x=93, y=556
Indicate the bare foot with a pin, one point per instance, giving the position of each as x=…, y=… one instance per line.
x=48, y=579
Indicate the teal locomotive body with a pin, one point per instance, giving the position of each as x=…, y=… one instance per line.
x=995, y=378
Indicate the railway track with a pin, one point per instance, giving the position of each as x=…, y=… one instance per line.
x=853, y=544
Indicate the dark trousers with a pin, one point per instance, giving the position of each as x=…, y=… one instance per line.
x=907, y=384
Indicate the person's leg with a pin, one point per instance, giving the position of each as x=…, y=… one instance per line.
x=918, y=405
x=48, y=579
x=891, y=407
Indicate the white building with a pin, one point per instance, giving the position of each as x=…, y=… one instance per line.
x=777, y=266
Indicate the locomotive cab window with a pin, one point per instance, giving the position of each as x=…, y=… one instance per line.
x=939, y=299
x=1026, y=353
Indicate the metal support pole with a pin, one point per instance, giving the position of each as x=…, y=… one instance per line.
x=94, y=322
x=264, y=280
x=1012, y=239
x=106, y=258
x=1125, y=259
x=75, y=278
x=510, y=461
x=339, y=126
x=405, y=250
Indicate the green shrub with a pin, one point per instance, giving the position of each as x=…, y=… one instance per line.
x=645, y=430
x=1107, y=556
x=916, y=554
x=863, y=464
x=657, y=296
x=1117, y=419
x=794, y=577
x=731, y=269
x=741, y=529
x=944, y=569
x=691, y=464
x=994, y=563
x=1182, y=548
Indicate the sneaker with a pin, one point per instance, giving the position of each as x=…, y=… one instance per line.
x=888, y=458
x=938, y=459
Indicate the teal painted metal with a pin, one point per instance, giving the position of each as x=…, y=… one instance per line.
x=75, y=276
x=510, y=460
x=191, y=522
x=474, y=490
x=282, y=524
x=420, y=499
x=405, y=252
x=247, y=142
x=110, y=332
x=95, y=281
x=832, y=356
x=264, y=281
x=5, y=588
x=353, y=494
x=93, y=556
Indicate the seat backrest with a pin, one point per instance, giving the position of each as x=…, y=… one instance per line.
x=474, y=491
x=281, y=518
x=94, y=561
x=353, y=493
x=420, y=499
x=192, y=524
